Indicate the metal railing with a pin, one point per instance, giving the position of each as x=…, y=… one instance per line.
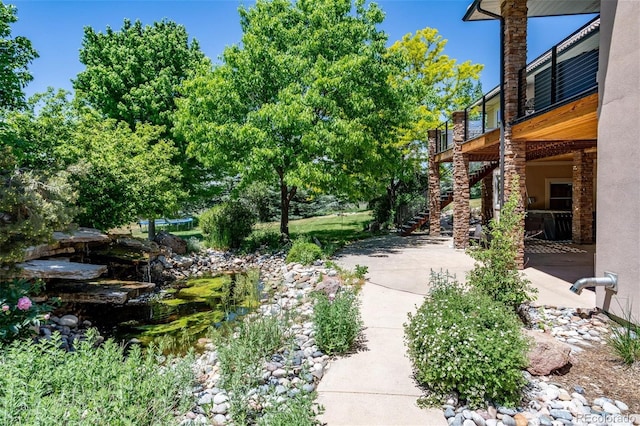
x=444, y=138
x=477, y=115
x=566, y=71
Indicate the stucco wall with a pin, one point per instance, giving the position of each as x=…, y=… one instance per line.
x=537, y=175
x=618, y=181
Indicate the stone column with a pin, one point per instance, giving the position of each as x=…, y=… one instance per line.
x=461, y=210
x=434, y=185
x=515, y=58
x=582, y=221
x=487, y=198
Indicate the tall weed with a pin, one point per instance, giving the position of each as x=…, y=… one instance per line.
x=337, y=321
x=41, y=384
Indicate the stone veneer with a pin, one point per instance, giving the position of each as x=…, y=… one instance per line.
x=487, y=199
x=582, y=221
x=434, y=185
x=514, y=13
x=461, y=210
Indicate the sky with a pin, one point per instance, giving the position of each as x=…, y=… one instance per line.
x=55, y=28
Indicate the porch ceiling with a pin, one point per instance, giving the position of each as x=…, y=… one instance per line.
x=535, y=8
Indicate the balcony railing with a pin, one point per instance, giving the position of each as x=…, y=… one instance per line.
x=566, y=71
x=444, y=139
x=482, y=115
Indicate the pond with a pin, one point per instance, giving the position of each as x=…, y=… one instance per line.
x=177, y=316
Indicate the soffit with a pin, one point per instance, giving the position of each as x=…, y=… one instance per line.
x=535, y=8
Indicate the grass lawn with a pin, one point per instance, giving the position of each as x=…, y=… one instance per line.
x=333, y=231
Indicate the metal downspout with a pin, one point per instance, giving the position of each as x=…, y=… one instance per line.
x=502, y=102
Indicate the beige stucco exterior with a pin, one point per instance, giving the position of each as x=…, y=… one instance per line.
x=618, y=179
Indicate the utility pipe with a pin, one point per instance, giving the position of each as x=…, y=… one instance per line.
x=610, y=281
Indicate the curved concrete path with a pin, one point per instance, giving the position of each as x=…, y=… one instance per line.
x=375, y=386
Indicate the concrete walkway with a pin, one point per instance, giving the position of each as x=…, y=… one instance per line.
x=375, y=386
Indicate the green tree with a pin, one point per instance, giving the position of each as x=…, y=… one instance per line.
x=437, y=86
x=32, y=206
x=122, y=174
x=306, y=100
x=132, y=75
x=39, y=131
x=15, y=55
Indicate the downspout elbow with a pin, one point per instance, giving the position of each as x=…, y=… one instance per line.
x=609, y=281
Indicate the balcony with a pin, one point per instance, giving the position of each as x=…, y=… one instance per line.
x=564, y=76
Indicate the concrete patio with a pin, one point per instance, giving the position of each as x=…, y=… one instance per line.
x=375, y=386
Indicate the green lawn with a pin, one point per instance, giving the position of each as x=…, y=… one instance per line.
x=333, y=231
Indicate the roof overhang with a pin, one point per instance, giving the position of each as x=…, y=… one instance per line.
x=535, y=8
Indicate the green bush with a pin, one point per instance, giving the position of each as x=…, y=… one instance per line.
x=43, y=385
x=495, y=272
x=227, y=224
x=262, y=239
x=465, y=342
x=17, y=311
x=337, y=321
x=304, y=252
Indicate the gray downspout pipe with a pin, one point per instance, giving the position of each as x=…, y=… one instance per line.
x=502, y=101
x=610, y=281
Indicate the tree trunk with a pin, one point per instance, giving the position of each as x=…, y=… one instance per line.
x=286, y=195
x=151, y=229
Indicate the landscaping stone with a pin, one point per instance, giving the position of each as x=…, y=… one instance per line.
x=546, y=354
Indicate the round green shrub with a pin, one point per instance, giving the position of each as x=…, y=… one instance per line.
x=304, y=252
x=227, y=224
x=465, y=342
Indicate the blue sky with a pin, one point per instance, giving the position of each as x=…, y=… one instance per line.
x=55, y=28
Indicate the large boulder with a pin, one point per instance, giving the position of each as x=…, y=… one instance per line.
x=176, y=244
x=547, y=354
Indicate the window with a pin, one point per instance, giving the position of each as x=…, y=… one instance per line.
x=560, y=195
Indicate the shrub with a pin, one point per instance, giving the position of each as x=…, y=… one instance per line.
x=495, y=272
x=337, y=321
x=304, y=252
x=18, y=312
x=194, y=245
x=262, y=239
x=42, y=384
x=297, y=411
x=465, y=342
x=227, y=224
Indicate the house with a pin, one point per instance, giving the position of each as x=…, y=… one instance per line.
x=568, y=125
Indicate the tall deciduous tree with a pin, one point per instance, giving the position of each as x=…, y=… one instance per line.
x=132, y=75
x=16, y=53
x=306, y=100
x=438, y=85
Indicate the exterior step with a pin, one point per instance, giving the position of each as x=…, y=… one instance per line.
x=61, y=269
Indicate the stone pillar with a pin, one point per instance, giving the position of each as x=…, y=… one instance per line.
x=434, y=185
x=515, y=59
x=461, y=210
x=487, y=198
x=582, y=221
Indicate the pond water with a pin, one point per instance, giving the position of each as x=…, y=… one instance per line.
x=177, y=316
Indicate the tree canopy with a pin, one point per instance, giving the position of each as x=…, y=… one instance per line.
x=16, y=53
x=437, y=85
x=132, y=75
x=306, y=100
